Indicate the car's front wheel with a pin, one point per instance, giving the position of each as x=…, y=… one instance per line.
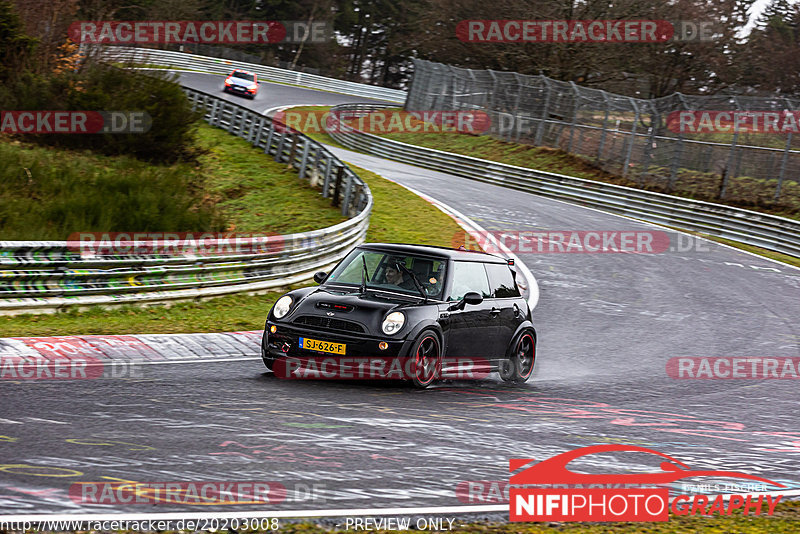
x=426, y=360
x=518, y=367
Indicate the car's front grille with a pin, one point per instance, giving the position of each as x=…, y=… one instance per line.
x=329, y=323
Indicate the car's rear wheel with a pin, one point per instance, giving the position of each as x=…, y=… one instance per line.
x=519, y=366
x=426, y=363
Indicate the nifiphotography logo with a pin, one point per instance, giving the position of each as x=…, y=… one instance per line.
x=620, y=497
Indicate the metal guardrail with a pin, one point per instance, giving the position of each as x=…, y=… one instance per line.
x=45, y=276
x=767, y=231
x=213, y=65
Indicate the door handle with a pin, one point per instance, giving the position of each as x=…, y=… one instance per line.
x=495, y=312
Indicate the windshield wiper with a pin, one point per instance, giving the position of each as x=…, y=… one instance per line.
x=414, y=279
x=364, y=274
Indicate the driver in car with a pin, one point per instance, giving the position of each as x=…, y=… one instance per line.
x=397, y=277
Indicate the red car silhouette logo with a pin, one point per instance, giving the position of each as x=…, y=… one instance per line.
x=554, y=470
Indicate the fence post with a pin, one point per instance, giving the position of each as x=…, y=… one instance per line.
x=317, y=164
x=726, y=175
x=326, y=184
x=348, y=188
x=454, y=79
x=633, y=137
x=338, y=186
x=603, y=132
x=270, y=135
x=784, y=161
x=304, y=158
x=242, y=122
x=251, y=133
x=192, y=97
x=259, y=131
x=676, y=158
x=474, y=86
x=494, y=89
x=655, y=123
x=293, y=151
x=545, y=112
x=575, y=108
x=516, y=108
x=357, y=194
x=229, y=129
x=279, y=149
x=213, y=118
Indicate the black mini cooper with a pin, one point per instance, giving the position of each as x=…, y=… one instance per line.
x=414, y=312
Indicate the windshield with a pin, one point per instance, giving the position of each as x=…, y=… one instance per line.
x=386, y=271
x=244, y=76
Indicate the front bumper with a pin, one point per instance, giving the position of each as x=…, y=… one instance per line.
x=285, y=342
x=240, y=90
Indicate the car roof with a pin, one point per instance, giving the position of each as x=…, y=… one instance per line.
x=431, y=250
x=244, y=71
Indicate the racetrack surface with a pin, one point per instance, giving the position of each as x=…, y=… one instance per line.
x=607, y=324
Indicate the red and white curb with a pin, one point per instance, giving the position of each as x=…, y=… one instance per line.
x=142, y=348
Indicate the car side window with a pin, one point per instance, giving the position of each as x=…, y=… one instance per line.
x=501, y=281
x=469, y=276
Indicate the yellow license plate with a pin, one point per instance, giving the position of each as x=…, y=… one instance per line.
x=322, y=346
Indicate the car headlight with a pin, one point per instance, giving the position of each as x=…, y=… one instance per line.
x=282, y=306
x=253, y=87
x=393, y=322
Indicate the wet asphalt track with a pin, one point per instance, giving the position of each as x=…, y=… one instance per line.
x=607, y=325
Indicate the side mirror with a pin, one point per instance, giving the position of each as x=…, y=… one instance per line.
x=473, y=297
x=320, y=277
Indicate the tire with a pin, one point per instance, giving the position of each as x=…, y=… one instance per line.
x=426, y=360
x=518, y=368
x=507, y=370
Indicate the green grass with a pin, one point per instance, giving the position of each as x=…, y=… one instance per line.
x=230, y=313
x=255, y=194
x=398, y=216
x=49, y=194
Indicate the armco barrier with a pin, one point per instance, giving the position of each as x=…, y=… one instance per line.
x=767, y=231
x=138, y=348
x=44, y=276
x=181, y=60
